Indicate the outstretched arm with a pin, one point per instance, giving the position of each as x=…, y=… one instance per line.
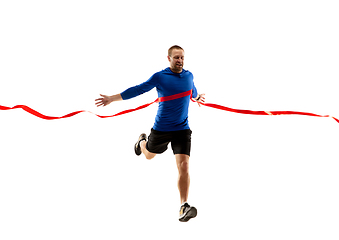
x=105, y=100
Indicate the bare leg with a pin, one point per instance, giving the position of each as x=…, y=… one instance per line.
x=184, y=177
x=147, y=154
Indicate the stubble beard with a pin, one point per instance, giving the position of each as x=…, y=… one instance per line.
x=178, y=68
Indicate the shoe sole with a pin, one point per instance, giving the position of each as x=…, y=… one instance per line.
x=191, y=213
x=137, y=150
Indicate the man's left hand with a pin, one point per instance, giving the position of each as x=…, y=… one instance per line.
x=200, y=99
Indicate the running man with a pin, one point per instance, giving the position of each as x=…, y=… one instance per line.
x=171, y=121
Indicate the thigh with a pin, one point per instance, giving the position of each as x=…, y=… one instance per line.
x=158, y=141
x=181, y=142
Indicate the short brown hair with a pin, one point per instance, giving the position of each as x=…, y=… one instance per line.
x=172, y=48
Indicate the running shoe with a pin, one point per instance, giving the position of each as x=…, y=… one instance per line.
x=187, y=212
x=137, y=147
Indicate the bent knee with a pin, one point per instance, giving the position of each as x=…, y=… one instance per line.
x=149, y=155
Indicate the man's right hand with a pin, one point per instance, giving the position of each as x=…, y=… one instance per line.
x=105, y=100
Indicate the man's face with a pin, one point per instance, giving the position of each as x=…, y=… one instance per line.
x=176, y=60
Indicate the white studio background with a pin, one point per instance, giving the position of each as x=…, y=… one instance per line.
x=252, y=177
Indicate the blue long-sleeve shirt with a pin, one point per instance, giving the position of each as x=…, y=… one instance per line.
x=172, y=115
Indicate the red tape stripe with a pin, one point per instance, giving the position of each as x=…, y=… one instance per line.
x=216, y=106
x=175, y=96
x=37, y=114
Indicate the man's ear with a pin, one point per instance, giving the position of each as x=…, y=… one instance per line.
x=169, y=58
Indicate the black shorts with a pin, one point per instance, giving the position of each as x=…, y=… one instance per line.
x=180, y=141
